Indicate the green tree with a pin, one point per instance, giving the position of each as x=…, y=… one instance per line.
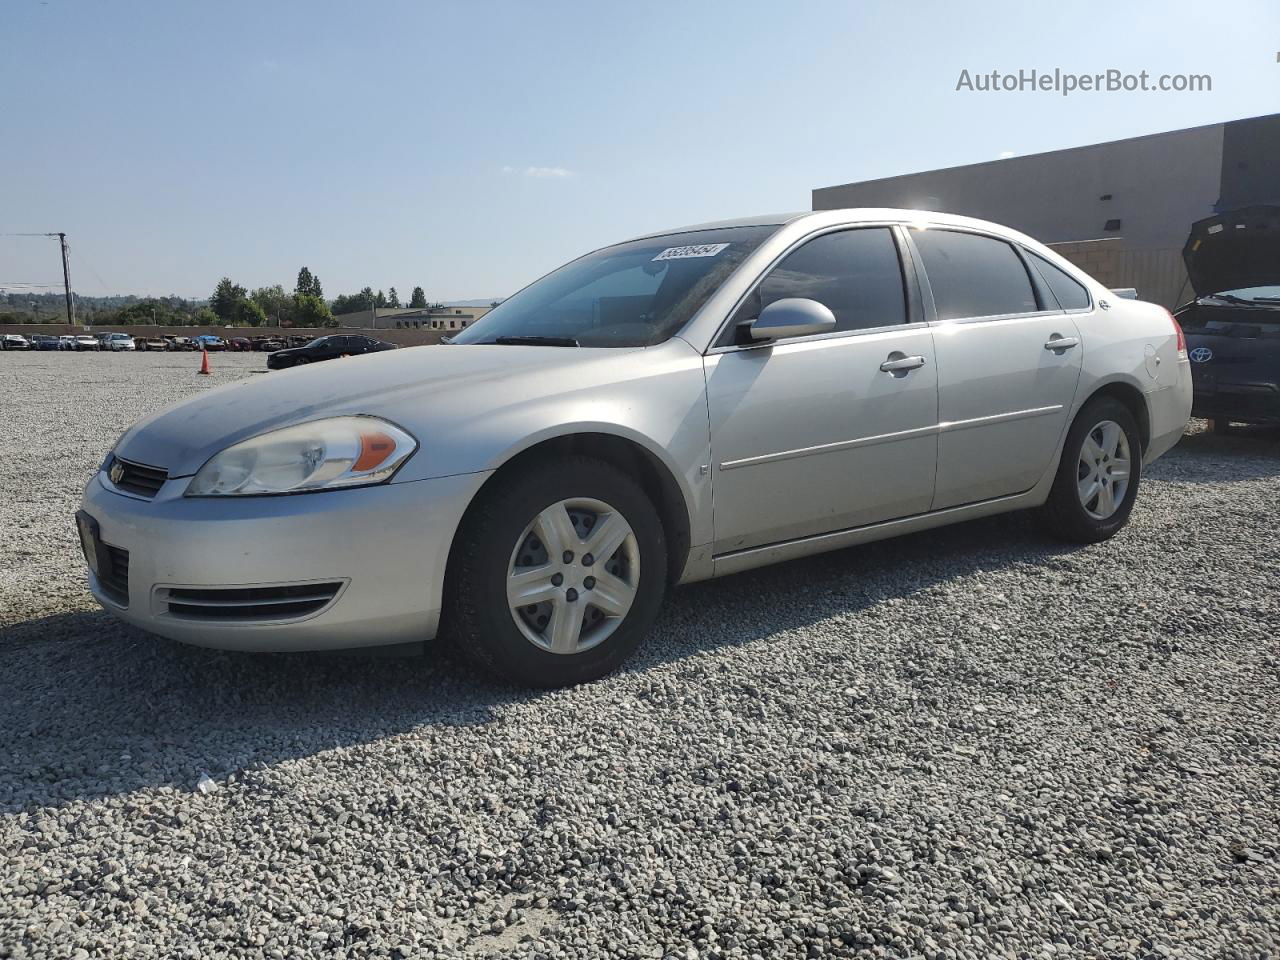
x=316, y=290
x=204, y=317
x=380, y=300
x=308, y=284
x=275, y=303
x=225, y=297
x=393, y=298
x=418, y=299
x=310, y=311
x=247, y=314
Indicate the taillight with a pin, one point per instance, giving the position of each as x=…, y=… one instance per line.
x=1182, y=339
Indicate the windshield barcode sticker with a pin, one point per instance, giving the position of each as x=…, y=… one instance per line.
x=693, y=250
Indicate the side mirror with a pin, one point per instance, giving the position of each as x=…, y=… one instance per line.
x=791, y=317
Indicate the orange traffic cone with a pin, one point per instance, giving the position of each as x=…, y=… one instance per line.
x=204, y=363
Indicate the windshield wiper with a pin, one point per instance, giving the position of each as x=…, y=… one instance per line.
x=1229, y=298
x=536, y=341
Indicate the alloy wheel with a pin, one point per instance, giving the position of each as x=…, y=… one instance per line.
x=1103, y=470
x=573, y=575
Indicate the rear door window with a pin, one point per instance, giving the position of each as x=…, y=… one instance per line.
x=1070, y=293
x=973, y=275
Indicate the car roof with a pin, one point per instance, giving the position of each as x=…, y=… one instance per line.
x=845, y=215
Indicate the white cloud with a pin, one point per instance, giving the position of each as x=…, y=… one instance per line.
x=1006, y=154
x=540, y=172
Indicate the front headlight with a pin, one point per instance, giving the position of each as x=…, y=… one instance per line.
x=319, y=455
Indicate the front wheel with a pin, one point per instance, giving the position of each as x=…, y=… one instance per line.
x=1097, y=480
x=557, y=574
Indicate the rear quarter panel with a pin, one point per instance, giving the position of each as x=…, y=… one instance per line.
x=1135, y=343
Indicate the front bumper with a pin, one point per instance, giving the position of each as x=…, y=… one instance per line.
x=386, y=545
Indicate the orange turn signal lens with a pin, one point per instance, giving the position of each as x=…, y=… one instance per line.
x=375, y=448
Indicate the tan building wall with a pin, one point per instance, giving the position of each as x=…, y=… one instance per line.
x=1159, y=275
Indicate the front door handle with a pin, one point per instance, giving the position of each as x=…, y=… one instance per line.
x=1061, y=343
x=900, y=363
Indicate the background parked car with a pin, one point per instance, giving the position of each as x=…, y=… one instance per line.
x=207, y=341
x=180, y=343
x=326, y=348
x=268, y=344
x=239, y=344
x=117, y=342
x=1233, y=325
x=14, y=341
x=43, y=341
x=86, y=342
x=153, y=343
x=66, y=342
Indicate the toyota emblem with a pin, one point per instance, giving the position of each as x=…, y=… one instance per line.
x=1201, y=354
x=116, y=473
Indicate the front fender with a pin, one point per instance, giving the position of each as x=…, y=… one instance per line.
x=655, y=398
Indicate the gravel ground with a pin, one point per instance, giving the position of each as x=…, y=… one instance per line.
x=969, y=743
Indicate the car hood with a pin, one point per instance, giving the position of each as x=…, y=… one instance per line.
x=1239, y=248
x=407, y=386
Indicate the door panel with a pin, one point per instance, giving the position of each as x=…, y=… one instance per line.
x=812, y=436
x=1003, y=403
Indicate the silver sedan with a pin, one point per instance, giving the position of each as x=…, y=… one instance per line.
x=680, y=406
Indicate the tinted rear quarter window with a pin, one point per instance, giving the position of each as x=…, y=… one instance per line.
x=973, y=276
x=854, y=273
x=1070, y=293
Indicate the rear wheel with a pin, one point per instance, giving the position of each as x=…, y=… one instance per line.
x=1097, y=479
x=1097, y=476
x=557, y=574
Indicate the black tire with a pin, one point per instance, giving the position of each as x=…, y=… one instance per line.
x=477, y=619
x=1063, y=515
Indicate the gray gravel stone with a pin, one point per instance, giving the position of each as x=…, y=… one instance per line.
x=965, y=744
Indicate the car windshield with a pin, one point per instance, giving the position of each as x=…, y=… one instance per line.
x=1265, y=296
x=633, y=294
x=318, y=342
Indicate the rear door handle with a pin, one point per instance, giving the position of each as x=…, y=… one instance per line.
x=1061, y=343
x=902, y=363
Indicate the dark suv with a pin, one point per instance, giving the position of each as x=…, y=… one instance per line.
x=1233, y=325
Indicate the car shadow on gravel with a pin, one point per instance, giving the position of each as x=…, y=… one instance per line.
x=92, y=707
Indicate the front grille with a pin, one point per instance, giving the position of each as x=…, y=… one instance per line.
x=250, y=603
x=114, y=579
x=137, y=478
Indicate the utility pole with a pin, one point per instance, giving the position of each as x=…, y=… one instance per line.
x=66, y=283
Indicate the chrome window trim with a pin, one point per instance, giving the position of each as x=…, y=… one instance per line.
x=715, y=348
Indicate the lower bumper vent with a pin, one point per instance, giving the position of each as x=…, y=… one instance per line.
x=113, y=577
x=249, y=603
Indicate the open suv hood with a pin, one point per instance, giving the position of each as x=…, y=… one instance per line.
x=1239, y=248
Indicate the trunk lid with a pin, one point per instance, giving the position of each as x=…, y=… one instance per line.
x=1233, y=250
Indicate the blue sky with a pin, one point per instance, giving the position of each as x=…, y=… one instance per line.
x=470, y=147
